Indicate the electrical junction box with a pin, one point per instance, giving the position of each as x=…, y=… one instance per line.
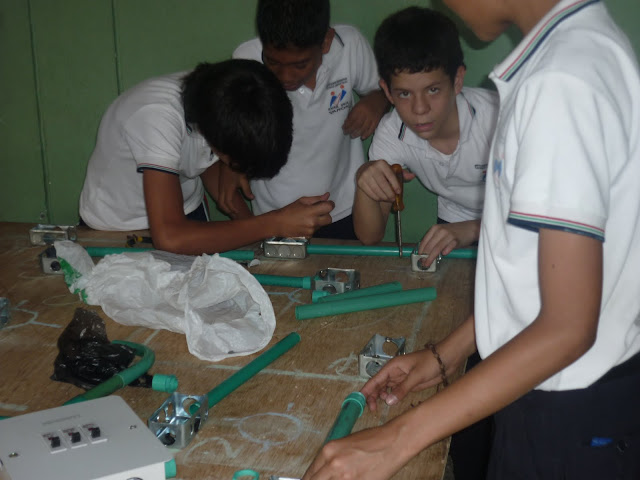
x=100, y=439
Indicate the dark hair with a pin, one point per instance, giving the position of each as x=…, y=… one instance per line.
x=292, y=23
x=416, y=40
x=241, y=109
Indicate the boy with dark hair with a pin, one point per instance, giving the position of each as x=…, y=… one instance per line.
x=439, y=130
x=557, y=306
x=320, y=67
x=162, y=142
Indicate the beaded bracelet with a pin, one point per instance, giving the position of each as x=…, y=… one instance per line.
x=443, y=370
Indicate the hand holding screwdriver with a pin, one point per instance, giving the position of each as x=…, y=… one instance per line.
x=398, y=205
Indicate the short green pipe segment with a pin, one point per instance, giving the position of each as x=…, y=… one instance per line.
x=237, y=255
x=352, y=409
x=370, y=302
x=362, y=292
x=284, y=281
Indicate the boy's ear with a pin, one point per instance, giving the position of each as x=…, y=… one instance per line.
x=458, y=82
x=385, y=89
x=328, y=40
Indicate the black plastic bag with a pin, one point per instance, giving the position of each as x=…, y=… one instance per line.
x=86, y=358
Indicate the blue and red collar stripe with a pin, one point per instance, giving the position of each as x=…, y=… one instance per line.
x=541, y=35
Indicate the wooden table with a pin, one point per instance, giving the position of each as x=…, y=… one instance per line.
x=275, y=422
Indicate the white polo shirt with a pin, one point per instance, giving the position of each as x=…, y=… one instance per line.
x=143, y=128
x=566, y=155
x=459, y=178
x=322, y=158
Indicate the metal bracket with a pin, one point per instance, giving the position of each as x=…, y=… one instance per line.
x=416, y=264
x=373, y=357
x=174, y=424
x=336, y=280
x=47, y=234
x=285, y=248
x=49, y=261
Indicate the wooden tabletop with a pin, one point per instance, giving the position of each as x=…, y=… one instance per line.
x=276, y=421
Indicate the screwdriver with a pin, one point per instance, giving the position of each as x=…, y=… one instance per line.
x=398, y=205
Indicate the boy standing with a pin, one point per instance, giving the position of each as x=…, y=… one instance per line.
x=320, y=67
x=557, y=308
x=158, y=148
x=439, y=130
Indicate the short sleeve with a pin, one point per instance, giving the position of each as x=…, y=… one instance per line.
x=154, y=135
x=561, y=176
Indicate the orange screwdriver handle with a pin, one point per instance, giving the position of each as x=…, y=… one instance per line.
x=398, y=205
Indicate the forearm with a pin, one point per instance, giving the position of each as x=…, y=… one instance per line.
x=377, y=101
x=519, y=366
x=195, y=238
x=369, y=218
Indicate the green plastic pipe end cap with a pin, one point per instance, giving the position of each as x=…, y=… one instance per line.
x=164, y=383
x=356, y=398
x=170, y=469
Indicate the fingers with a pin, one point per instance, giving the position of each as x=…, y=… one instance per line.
x=378, y=181
x=245, y=188
x=315, y=199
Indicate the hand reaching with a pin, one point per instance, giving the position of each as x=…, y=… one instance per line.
x=304, y=216
x=442, y=238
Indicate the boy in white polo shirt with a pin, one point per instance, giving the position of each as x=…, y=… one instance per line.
x=320, y=67
x=158, y=148
x=557, y=305
x=439, y=130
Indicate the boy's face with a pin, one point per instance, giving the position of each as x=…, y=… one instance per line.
x=295, y=66
x=487, y=18
x=426, y=101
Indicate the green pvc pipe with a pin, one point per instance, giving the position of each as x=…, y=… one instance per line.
x=362, y=292
x=284, y=281
x=250, y=369
x=370, y=302
x=121, y=379
x=377, y=251
x=352, y=409
x=463, y=253
x=237, y=255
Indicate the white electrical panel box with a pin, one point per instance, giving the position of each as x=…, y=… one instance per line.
x=100, y=439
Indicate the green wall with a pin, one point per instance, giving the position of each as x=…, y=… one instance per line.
x=64, y=61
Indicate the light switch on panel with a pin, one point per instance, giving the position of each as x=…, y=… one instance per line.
x=100, y=439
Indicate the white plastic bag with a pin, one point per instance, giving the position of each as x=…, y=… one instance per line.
x=217, y=304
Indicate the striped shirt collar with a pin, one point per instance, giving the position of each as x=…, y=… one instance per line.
x=536, y=37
